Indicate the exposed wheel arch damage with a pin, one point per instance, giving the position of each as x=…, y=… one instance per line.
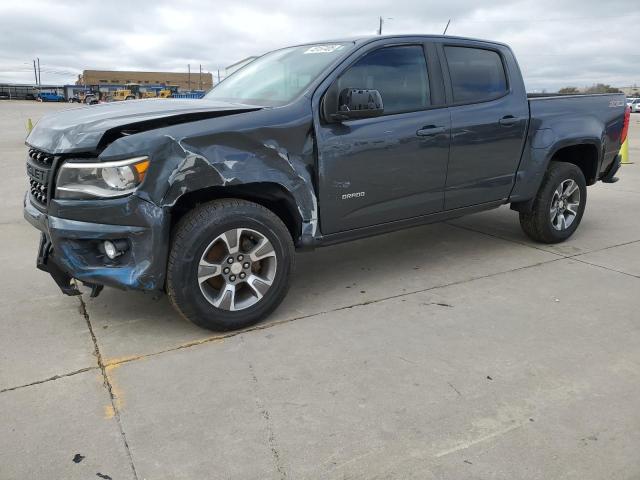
x=270, y=195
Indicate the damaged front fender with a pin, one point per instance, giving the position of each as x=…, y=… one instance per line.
x=263, y=146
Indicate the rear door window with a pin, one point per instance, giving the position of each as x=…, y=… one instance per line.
x=477, y=75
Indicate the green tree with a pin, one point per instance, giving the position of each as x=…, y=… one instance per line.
x=569, y=90
x=602, y=88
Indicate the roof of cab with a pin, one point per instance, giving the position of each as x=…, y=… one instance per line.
x=371, y=38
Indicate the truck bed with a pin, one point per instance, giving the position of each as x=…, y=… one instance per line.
x=595, y=118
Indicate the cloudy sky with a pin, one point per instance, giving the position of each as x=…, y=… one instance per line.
x=557, y=42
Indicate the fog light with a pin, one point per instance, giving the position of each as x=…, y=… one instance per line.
x=113, y=249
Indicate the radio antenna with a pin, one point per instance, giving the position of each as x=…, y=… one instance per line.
x=445, y=28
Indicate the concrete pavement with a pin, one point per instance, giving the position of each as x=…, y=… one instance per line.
x=468, y=352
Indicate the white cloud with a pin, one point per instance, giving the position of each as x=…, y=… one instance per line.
x=557, y=43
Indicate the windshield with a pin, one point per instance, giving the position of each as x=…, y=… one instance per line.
x=278, y=77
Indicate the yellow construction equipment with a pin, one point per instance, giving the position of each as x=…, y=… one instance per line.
x=159, y=92
x=131, y=92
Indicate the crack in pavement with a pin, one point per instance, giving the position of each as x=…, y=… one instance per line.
x=605, y=268
x=562, y=255
x=107, y=384
x=276, y=323
x=271, y=438
x=493, y=235
x=55, y=377
x=264, y=326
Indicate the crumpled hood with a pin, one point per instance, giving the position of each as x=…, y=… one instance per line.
x=82, y=129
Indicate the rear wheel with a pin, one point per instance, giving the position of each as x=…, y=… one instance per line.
x=558, y=206
x=230, y=264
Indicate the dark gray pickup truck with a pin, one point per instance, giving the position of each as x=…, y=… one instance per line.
x=306, y=146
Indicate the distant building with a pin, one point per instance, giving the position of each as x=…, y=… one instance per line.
x=184, y=81
x=633, y=91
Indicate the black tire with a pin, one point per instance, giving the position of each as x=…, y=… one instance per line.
x=537, y=224
x=194, y=235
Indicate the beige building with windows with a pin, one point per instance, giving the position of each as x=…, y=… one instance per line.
x=633, y=91
x=195, y=81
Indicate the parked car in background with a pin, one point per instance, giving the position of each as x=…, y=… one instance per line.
x=88, y=98
x=49, y=97
x=91, y=99
x=304, y=147
x=634, y=104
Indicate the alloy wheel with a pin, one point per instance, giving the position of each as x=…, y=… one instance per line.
x=237, y=269
x=565, y=204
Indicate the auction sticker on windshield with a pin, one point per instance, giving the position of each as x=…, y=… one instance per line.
x=323, y=49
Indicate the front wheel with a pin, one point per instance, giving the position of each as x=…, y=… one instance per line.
x=229, y=265
x=558, y=206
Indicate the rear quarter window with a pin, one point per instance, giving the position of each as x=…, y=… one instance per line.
x=477, y=74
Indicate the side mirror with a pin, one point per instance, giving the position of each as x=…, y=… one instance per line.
x=356, y=103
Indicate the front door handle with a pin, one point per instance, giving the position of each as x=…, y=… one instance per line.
x=429, y=130
x=508, y=120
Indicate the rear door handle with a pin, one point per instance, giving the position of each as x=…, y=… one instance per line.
x=508, y=120
x=429, y=130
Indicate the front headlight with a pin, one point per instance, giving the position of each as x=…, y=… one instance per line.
x=100, y=179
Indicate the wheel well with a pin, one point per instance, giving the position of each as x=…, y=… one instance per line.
x=270, y=195
x=584, y=156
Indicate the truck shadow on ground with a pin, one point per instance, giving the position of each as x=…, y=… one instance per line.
x=349, y=274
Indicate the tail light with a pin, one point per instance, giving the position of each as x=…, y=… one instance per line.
x=625, y=125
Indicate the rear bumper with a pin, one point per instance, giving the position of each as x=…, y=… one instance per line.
x=72, y=248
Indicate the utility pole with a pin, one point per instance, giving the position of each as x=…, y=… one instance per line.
x=218, y=75
x=200, y=76
x=35, y=72
x=381, y=22
x=189, y=70
x=39, y=77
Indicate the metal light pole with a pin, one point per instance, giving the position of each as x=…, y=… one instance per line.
x=35, y=72
x=189, y=77
x=381, y=22
x=39, y=77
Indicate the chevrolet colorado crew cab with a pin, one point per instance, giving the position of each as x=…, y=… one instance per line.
x=306, y=146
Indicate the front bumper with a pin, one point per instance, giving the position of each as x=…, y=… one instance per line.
x=70, y=248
